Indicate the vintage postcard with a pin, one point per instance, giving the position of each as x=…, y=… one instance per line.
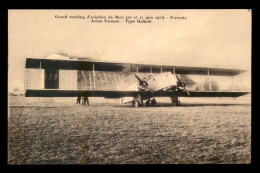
x=129, y=86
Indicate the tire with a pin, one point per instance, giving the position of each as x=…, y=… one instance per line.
x=147, y=103
x=153, y=102
x=175, y=104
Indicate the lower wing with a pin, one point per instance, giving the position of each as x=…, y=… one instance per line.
x=214, y=94
x=119, y=94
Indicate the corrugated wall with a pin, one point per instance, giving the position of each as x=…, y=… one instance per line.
x=34, y=78
x=67, y=79
x=100, y=80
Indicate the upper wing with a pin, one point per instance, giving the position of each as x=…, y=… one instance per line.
x=74, y=64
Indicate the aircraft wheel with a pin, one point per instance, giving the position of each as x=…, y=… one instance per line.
x=179, y=102
x=153, y=102
x=136, y=103
x=175, y=103
x=147, y=103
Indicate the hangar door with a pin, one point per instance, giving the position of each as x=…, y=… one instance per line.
x=51, y=79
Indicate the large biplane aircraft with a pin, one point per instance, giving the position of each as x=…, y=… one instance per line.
x=63, y=76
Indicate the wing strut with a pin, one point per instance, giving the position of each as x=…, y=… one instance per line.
x=209, y=81
x=241, y=81
x=202, y=81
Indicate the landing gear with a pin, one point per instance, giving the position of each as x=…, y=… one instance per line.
x=153, y=102
x=175, y=100
x=176, y=103
x=136, y=103
x=150, y=102
x=147, y=103
x=139, y=101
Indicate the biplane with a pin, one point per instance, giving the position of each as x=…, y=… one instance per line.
x=64, y=76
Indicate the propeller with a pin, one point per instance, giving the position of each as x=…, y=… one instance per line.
x=182, y=85
x=143, y=85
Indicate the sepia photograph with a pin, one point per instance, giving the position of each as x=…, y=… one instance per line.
x=129, y=86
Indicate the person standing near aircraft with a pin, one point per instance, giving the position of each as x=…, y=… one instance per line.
x=82, y=100
x=78, y=100
x=85, y=99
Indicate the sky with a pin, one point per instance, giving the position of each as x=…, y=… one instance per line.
x=207, y=38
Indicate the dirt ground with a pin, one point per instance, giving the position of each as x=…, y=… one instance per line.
x=58, y=131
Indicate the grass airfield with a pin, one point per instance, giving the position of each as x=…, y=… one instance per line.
x=58, y=131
